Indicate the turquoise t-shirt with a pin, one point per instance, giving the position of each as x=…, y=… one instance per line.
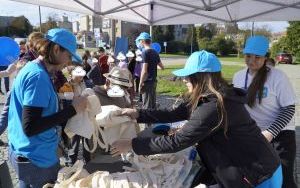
x=33, y=87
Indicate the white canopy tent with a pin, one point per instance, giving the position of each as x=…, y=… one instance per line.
x=168, y=12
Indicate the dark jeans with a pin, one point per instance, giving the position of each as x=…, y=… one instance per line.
x=137, y=84
x=30, y=175
x=149, y=95
x=6, y=79
x=4, y=115
x=5, y=179
x=285, y=146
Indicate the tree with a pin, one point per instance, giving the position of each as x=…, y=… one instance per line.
x=191, y=35
x=49, y=24
x=263, y=30
x=279, y=46
x=169, y=33
x=231, y=28
x=157, y=34
x=293, y=38
x=206, y=31
x=18, y=26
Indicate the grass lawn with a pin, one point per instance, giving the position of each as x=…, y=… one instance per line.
x=166, y=86
x=232, y=59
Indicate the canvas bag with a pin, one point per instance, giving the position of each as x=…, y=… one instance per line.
x=115, y=126
x=82, y=123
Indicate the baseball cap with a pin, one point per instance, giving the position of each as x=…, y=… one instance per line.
x=65, y=39
x=200, y=61
x=257, y=45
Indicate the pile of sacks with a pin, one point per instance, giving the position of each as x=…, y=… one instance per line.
x=155, y=171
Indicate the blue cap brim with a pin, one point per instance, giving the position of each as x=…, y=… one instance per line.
x=76, y=58
x=183, y=72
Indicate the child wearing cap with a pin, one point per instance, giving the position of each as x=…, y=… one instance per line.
x=34, y=111
x=116, y=77
x=148, y=81
x=228, y=141
x=271, y=103
x=73, y=88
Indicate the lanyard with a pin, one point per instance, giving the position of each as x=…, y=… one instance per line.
x=246, y=80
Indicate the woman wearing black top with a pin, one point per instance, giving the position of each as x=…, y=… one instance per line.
x=229, y=143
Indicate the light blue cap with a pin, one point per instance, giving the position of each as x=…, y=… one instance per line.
x=65, y=39
x=201, y=61
x=143, y=36
x=257, y=45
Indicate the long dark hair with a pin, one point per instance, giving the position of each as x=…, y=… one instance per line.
x=256, y=87
x=206, y=84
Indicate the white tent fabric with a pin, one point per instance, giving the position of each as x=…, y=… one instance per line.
x=168, y=12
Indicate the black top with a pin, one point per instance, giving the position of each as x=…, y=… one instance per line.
x=151, y=57
x=33, y=123
x=242, y=159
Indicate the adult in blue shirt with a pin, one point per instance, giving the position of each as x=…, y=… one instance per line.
x=34, y=112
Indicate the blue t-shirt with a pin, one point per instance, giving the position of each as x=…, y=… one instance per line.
x=33, y=87
x=151, y=57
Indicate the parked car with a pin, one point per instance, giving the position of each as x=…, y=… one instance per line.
x=284, y=58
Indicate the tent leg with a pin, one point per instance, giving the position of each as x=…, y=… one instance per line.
x=151, y=27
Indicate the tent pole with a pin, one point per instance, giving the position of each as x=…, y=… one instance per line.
x=252, y=29
x=40, y=18
x=151, y=29
x=192, y=38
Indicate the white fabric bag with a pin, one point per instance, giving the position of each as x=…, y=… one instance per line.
x=82, y=124
x=115, y=125
x=68, y=176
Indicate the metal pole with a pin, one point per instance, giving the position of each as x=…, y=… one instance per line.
x=151, y=29
x=192, y=38
x=40, y=18
x=252, y=29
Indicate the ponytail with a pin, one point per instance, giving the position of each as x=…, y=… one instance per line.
x=256, y=88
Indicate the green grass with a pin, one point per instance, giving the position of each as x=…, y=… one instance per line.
x=180, y=55
x=232, y=59
x=174, y=88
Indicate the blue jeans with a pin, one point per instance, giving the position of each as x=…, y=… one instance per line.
x=30, y=175
x=274, y=182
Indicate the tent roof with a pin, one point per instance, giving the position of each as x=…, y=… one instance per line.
x=168, y=12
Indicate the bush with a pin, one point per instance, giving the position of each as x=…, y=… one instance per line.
x=208, y=45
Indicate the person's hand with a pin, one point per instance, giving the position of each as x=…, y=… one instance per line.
x=267, y=135
x=121, y=146
x=141, y=88
x=11, y=68
x=132, y=113
x=80, y=103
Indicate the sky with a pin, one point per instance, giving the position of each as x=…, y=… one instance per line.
x=11, y=8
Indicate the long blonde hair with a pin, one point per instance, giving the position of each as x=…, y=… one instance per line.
x=205, y=84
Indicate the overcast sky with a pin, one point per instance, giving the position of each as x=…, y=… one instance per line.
x=11, y=8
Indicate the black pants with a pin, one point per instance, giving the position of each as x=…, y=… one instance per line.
x=137, y=84
x=6, y=79
x=149, y=95
x=285, y=146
